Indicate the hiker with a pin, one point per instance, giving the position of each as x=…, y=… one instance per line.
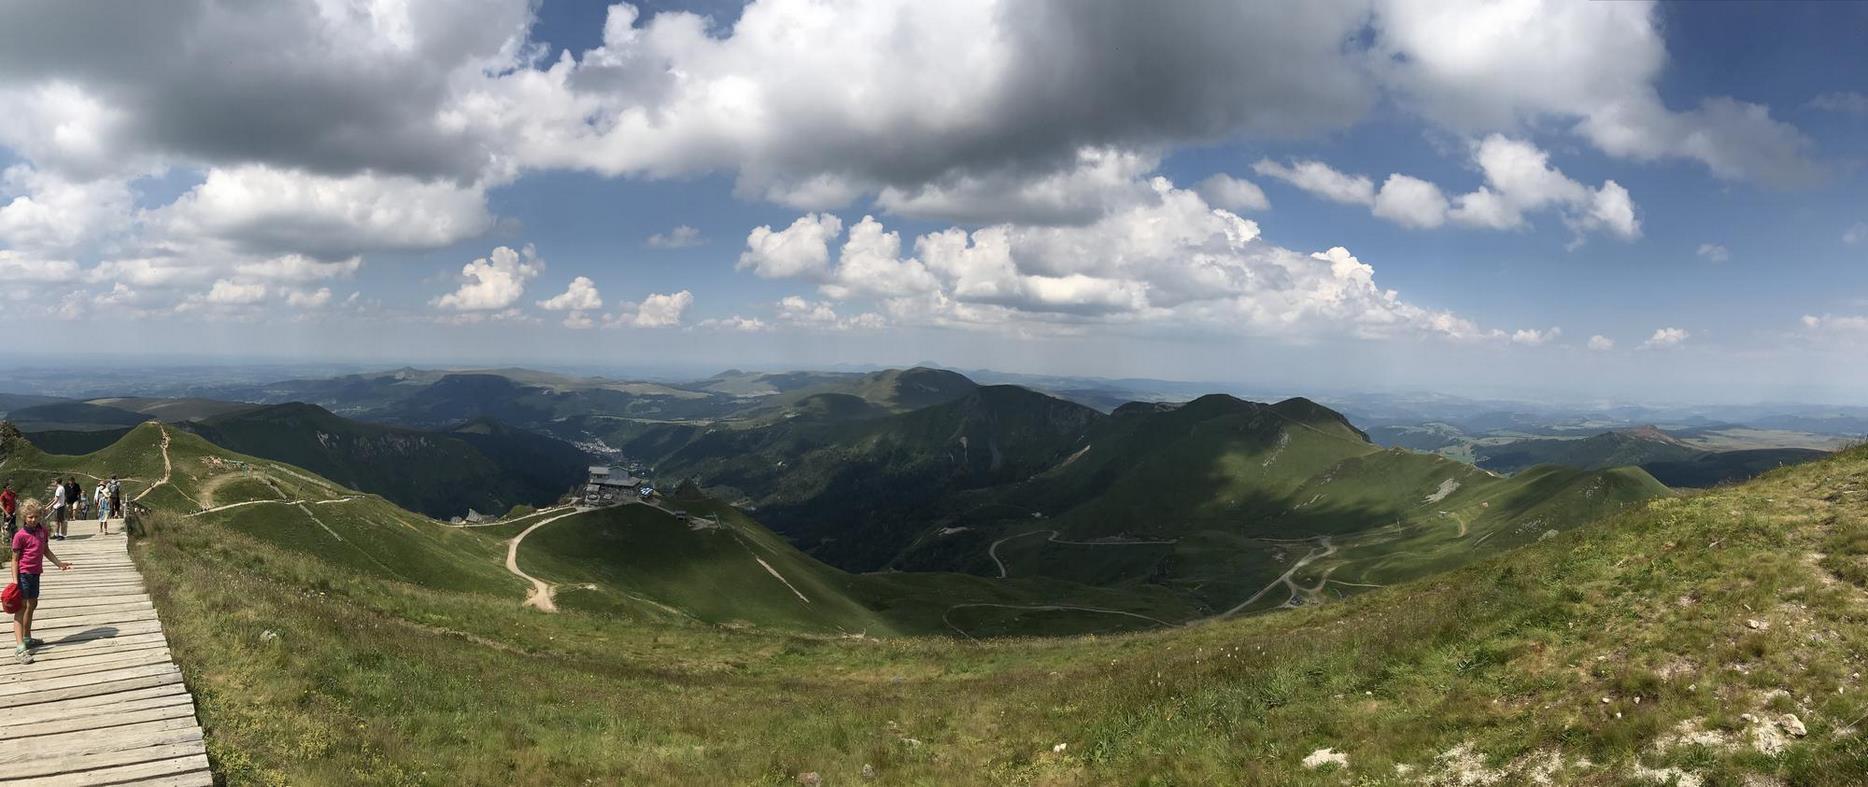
x=30, y=551
x=77, y=499
x=101, y=498
x=116, y=496
x=9, y=509
x=61, y=507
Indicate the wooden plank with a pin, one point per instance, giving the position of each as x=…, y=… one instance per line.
x=127, y=601
x=201, y=778
x=37, y=772
x=54, y=650
x=23, y=753
x=37, y=684
x=33, y=714
x=189, y=769
x=174, y=676
x=53, y=668
x=86, y=621
x=173, y=706
x=58, y=635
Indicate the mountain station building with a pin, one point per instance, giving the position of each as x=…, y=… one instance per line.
x=610, y=486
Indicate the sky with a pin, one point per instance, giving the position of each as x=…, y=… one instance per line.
x=1661, y=201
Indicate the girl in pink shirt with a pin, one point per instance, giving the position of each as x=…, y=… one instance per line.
x=31, y=549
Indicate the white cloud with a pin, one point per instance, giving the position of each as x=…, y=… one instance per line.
x=1534, y=337
x=1664, y=338
x=579, y=321
x=494, y=282
x=1836, y=324
x=801, y=250
x=794, y=310
x=1600, y=343
x=581, y=295
x=1101, y=180
x=1171, y=259
x=1320, y=179
x=1518, y=179
x=681, y=237
x=1856, y=233
x=655, y=311
x=18, y=267
x=226, y=292
x=1411, y=202
x=1714, y=252
x=47, y=212
x=298, y=268
x=264, y=210
x=1844, y=101
x=1477, y=66
x=309, y=299
x=736, y=323
x=1234, y=194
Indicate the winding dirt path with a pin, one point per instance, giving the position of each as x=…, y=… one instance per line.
x=993, y=551
x=1324, y=549
x=539, y=597
x=167, y=469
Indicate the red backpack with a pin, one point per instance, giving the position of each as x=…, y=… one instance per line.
x=11, y=599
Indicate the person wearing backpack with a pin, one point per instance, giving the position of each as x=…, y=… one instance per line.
x=31, y=548
x=116, y=496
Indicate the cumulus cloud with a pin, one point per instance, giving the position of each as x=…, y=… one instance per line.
x=1500, y=66
x=655, y=311
x=1235, y=194
x=1665, y=338
x=1844, y=101
x=681, y=237
x=494, y=282
x=1169, y=259
x=1600, y=343
x=795, y=310
x=1320, y=179
x=226, y=292
x=581, y=295
x=1714, y=252
x=736, y=323
x=1534, y=337
x=1410, y=202
x=18, y=267
x=801, y=250
x=1518, y=180
x=309, y=299
x=1101, y=180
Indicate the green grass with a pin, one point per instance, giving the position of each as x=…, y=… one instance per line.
x=370, y=678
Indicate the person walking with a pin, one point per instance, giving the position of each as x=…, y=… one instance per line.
x=116, y=496
x=61, y=508
x=100, y=497
x=9, y=509
x=31, y=548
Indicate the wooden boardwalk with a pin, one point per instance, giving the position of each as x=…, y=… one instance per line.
x=102, y=703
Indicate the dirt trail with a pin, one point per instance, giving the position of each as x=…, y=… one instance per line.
x=539, y=597
x=1325, y=549
x=993, y=551
x=167, y=469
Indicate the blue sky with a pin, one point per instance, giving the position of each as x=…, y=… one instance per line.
x=1616, y=200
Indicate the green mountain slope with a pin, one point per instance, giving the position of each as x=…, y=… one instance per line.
x=1673, y=461
x=481, y=466
x=1673, y=641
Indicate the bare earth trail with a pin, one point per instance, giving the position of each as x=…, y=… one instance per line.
x=539, y=597
x=1325, y=549
x=993, y=551
x=167, y=468
x=945, y=616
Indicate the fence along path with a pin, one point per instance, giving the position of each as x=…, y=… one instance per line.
x=103, y=702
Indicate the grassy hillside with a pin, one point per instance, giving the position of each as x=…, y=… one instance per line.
x=481, y=465
x=1672, y=641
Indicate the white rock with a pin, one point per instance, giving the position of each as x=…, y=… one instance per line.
x=1793, y=725
x=1322, y=757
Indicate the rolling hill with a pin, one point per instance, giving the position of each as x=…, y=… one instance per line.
x=480, y=465
x=1673, y=460
x=1705, y=639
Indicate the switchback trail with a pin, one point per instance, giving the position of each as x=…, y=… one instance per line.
x=1325, y=549
x=993, y=551
x=539, y=596
x=167, y=469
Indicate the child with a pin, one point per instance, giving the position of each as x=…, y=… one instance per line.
x=31, y=548
x=101, y=498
